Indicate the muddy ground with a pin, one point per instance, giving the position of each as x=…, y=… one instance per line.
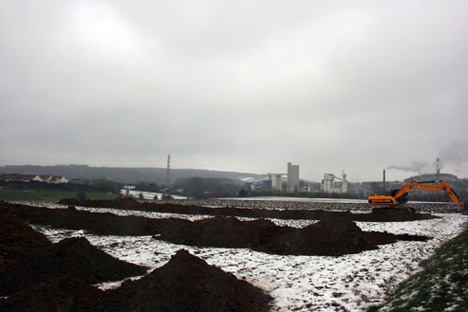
x=37, y=275
x=17, y=239
x=293, y=214
x=41, y=276
x=305, y=204
x=326, y=238
x=72, y=256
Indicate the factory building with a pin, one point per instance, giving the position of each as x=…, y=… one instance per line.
x=293, y=177
x=330, y=186
x=276, y=181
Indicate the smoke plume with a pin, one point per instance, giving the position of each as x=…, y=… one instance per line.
x=421, y=167
x=454, y=157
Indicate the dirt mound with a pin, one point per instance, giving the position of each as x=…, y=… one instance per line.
x=294, y=214
x=17, y=239
x=328, y=237
x=414, y=238
x=121, y=202
x=458, y=277
x=96, y=223
x=220, y=231
x=74, y=256
x=63, y=294
x=187, y=283
x=332, y=238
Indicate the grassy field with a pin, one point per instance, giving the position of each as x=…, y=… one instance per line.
x=49, y=195
x=442, y=285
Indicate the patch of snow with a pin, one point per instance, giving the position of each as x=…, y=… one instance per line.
x=296, y=199
x=148, y=195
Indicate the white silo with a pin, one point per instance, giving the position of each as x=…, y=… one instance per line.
x=328, y=182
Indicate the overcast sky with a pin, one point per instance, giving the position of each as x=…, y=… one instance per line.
x=237, y=85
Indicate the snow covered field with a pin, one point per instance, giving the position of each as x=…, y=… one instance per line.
x=298, y=283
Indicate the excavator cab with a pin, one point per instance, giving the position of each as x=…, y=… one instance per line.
x=403, y=198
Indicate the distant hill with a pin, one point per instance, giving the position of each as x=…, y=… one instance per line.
x=447, y=177
x=124, y=175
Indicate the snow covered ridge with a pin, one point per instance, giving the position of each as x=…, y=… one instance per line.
x=301, y=283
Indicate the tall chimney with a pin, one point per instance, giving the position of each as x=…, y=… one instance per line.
x=384, y=186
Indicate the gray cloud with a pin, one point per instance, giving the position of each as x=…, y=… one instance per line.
x=245, y=85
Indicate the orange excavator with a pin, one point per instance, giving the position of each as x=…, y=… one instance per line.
x=400, y=197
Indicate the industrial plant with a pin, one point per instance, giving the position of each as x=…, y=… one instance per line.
x=329, y=185
x=290, y=182
x=333, y=185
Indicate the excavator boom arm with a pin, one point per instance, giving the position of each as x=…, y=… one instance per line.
x=451, y=193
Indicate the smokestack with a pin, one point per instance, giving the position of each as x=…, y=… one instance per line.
x=438, y=169
x=384, y=186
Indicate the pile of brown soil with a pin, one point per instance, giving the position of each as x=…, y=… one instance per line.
x=96, y=223
x=333, y=238
x=330, y=238
x=57, y=278
x=120, y=202
x=188, y=283
x=317, y=214
x=17, y=239
x=185, y=283
x=74, y=256
x=458, y=277
x=223, y=232
x=63, y=294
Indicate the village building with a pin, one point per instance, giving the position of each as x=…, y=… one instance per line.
x=33, y=177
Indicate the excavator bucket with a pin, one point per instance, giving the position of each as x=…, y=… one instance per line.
x=465, y=208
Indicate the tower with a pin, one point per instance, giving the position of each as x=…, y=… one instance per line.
x=168, y=171
x=328, y=182
x=384, y=181
x=276, y=181
x=293, y=177
x=344, y=183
